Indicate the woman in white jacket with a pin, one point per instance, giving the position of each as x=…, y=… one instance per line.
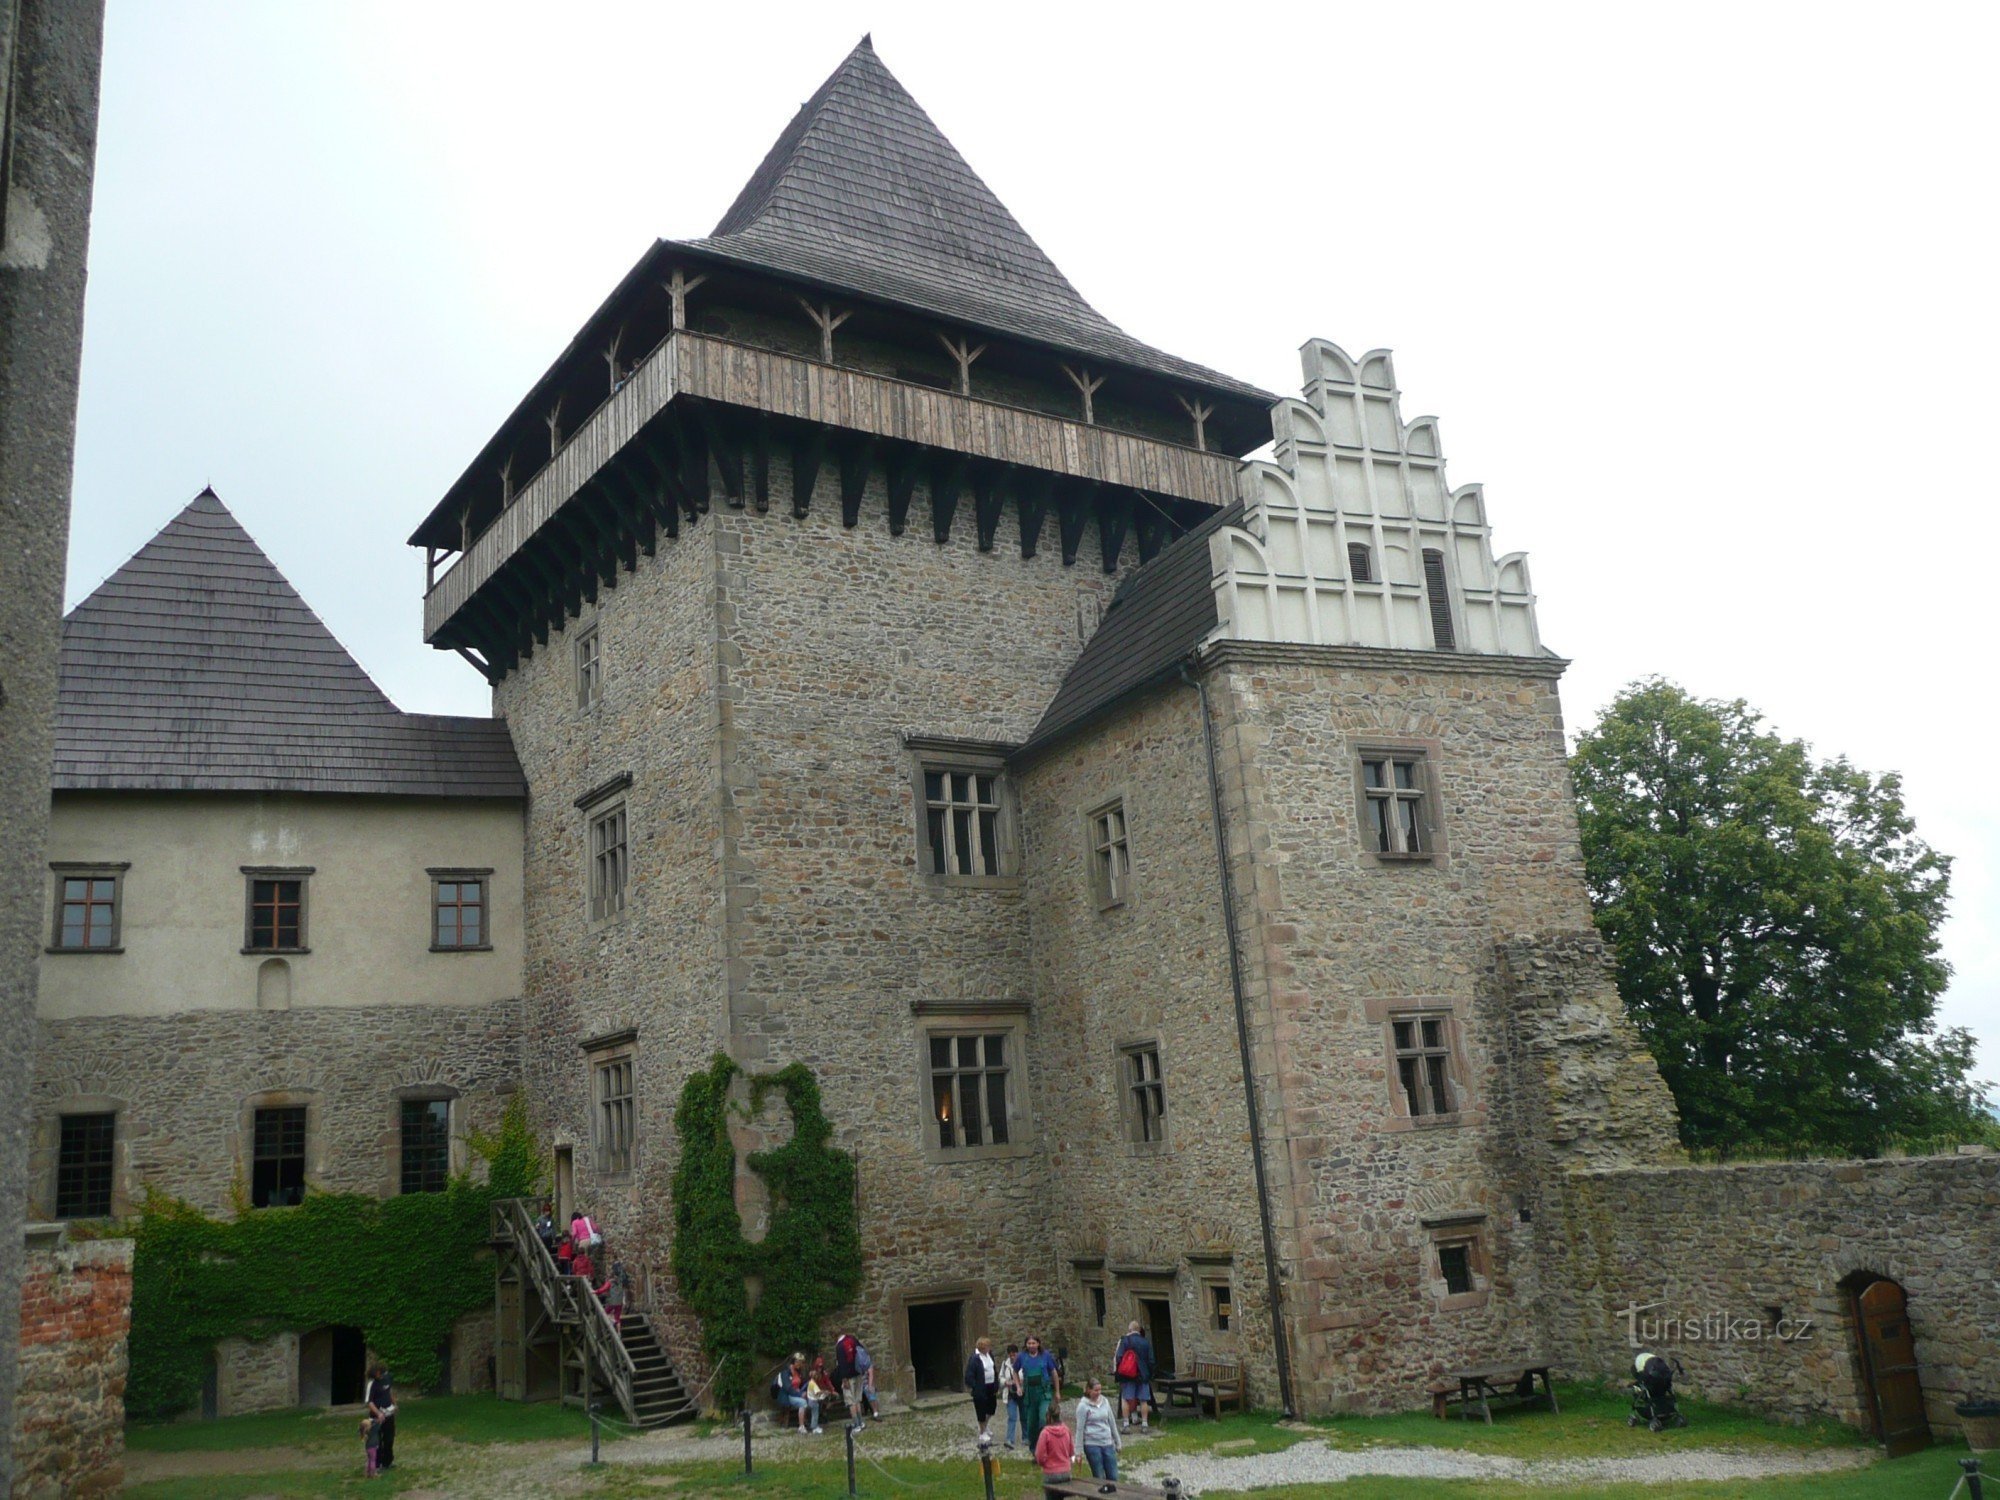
x=1097, y=1431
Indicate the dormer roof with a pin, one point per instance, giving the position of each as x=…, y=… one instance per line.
x=197, y=667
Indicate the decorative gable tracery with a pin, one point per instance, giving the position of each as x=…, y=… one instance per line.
x=1350, y=536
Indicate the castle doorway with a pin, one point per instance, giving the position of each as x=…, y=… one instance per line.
x=1888, y=1358
x=565, y=1184
x=1156, y=1315
x=937, y=1345
x=332, y=1366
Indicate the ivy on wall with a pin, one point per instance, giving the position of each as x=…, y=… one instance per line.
x=401, y=1269
x=808, y=1264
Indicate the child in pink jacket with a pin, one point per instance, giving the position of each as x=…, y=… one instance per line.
x=1055, y=1451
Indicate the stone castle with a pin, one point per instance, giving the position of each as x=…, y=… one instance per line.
x=1164, y=860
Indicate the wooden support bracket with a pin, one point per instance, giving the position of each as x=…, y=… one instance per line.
x=678, y=286
x=856, y=458
x=808, y=456
x=1034, y=493
x=1087, y=385
x=902, y=466
x=1200, y=411
x=1073, y=505
x=989, y=494
x=947, y=479
x=826, y=320
x=727, y=449
x=1114, y=519
x=554, y=421
x=962, y=351
x=760, y=462
x=1154, y=527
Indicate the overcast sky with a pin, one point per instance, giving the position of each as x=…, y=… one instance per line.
x=1704, y=295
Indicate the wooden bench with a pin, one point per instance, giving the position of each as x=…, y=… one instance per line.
x=1083, y=1487
x=1483, y=1386
x=1217, y=1382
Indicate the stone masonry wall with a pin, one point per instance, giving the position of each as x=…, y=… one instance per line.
x=183, y=1087
x=1153, y=969
x=69, y=1410
x=656, y=969
x=1336, y=941
x=1753, y=1243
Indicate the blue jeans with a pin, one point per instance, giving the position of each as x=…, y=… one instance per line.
x=1013, y=1417
x=1103, y=1460
x=805, y=1404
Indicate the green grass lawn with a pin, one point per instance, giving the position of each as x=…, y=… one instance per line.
x=462, y=1419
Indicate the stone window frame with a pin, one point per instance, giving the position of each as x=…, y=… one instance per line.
x=1468, y=1230
x=245, y=1143
x=1108, y=889
x=603, y=1055
x=1127, y=1051
x=948, y=1018
x=1218, y=1304
x=587, y=667
x=1096, y=1300
x=979, y=757
x=445, y=876
x=72, y=869
x=1384, y=1012
x=430, y=1093
x=303, y=874
x=598, y=805
x=1429, y=756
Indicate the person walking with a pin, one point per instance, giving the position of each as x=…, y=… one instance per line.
x=1133, y=1365
x=1055, y=1453
x=847, y=1376
x=864, y=1365
x=1097, y=1431
x=381, y=1399
x=1010, y=1391
x=982, y=1378
x=612, y=1294
x=1037, y=1369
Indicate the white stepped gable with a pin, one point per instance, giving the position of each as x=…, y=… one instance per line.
x=1349, y=475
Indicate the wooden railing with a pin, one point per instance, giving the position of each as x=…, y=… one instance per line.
x=743, y=376
x=569, y=1299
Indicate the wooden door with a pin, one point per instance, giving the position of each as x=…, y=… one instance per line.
x=1889, y=1368
x=510, y=1372
x=565, y=1185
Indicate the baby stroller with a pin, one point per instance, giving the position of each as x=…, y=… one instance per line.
x=1653, y=1393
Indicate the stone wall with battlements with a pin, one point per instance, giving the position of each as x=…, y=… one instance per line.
x=69, y=1407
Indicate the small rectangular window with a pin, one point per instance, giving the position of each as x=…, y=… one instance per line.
x=1394, y=795
x=458, y=911
x=607, y=863
x=589, y=670
x=1097, y=1307
x=1423, y=1063
x=1110, y=855
x=614, y=1115
x=1360, y=563
x=86, y=909
x=83, y=1166
x=962, y=821
x=426, y=1145
x=1220, y=1306
x=277, y=912
x=278, y=1157
x=1145, y=1095
x=969, y=1089
x=1455, y=1265
x=1440, y=600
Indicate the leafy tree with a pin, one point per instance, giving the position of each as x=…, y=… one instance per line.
x=1774, y=920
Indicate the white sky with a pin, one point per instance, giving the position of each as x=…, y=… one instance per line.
x=1703, y=294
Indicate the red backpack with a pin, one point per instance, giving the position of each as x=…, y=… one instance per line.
x=1128, y=1364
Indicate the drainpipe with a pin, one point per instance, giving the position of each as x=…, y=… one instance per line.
x=1271, y=1279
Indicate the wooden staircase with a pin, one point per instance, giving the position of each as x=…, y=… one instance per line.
x=550, y=1326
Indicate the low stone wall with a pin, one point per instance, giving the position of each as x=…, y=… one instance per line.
x=1746, y=1271
x=69, y=1410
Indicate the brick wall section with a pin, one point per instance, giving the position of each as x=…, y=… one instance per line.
x=1154, y=969
x=69, y=1410
x=180, y=1082
x=1738, y=1240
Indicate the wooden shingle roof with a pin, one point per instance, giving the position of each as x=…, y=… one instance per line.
x=1159, y=615
x=197, y=667
x=863, y=193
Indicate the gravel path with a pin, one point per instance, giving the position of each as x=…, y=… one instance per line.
x=1313, y=1462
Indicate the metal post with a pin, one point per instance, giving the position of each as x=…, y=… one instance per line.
x=986, y=1465
x=850, y=1460
x=1974, y=1489
x=595, y=1408
x=746, y=1440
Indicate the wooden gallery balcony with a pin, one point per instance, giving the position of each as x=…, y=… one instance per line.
x=703, y=415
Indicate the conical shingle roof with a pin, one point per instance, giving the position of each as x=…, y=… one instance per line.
x=863, y=193
x=197, y=667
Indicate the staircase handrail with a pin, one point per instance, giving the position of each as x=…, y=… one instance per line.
x=515, y=1216
x=607, y=1346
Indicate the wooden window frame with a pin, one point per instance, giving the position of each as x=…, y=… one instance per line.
x=606, y=904
x=587, y=661
x=1011, y=1027
x=1421, y=1052
x=304, y=1157
x=484, y=880
x=66, y=870
x=1361, y=563
x=1386, y=1012
x=1131, y=1086
x=403, y=1105
x=948, y=758
x=1425, y=796
x=614, y=1116
x=252, y=874
x=108, y=1166
x=1218, y=1304
x=1108, y=848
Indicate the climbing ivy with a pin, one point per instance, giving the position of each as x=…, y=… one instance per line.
x=401, y=1269
x=809, y=1262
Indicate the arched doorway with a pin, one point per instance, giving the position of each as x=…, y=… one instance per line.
x=1886, y=1352
x=333, y=1363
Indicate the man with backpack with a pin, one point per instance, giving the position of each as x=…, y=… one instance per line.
x=1133, y=1365
x=847, y=1375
